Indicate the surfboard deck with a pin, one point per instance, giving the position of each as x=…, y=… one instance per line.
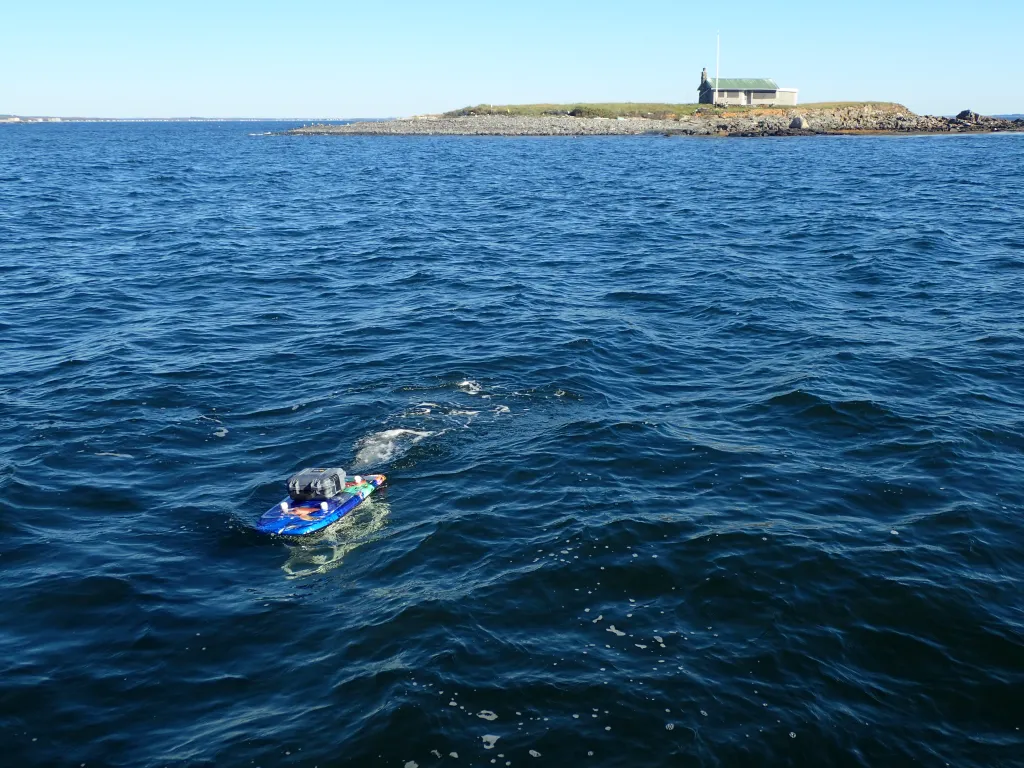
x=302, y=517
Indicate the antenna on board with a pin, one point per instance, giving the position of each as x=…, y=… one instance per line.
x=718, y=56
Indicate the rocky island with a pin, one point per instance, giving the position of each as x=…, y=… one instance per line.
x=671, y=120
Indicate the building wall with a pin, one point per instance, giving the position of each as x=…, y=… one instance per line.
x=782, y=97
x=786, y=97
x=779, y=98
x=732, y=98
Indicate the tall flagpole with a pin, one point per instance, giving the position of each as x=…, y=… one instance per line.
x=718, y=56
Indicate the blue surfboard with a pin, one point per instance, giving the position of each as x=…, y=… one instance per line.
x=297, y=518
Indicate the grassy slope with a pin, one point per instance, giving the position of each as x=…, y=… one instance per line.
x=657, y=111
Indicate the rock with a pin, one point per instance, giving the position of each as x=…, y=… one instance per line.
x=701, y=123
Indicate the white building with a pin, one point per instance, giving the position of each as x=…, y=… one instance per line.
x=745, y=91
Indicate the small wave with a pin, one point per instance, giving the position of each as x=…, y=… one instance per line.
x=830, y=413
x=382, y=447
x=112, y=454
x=470, y=387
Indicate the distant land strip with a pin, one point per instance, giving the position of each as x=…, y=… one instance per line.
x=27, y=119
x=825, y=118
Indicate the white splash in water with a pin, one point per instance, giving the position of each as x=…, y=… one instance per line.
x=470, y=387
x=385, y=446
x=222, y=432
x=614, y=631
x=489, y=741
x=486, y=714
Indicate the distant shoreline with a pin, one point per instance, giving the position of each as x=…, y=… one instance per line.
x=671, y=120
x=22, y=120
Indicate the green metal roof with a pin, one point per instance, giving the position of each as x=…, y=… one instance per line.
x=744, y=84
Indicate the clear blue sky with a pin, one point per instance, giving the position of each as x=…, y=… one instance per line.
x=308, y=58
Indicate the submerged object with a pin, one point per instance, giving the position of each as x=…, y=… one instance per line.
x=317, y=497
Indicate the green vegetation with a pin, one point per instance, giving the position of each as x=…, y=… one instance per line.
x=878, y=105
x=655, y=111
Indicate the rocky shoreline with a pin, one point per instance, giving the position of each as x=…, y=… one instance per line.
x=710, y=122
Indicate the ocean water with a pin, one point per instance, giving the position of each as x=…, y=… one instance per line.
x=700, y=452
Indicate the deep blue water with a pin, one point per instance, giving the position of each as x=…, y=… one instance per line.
x=700, y=451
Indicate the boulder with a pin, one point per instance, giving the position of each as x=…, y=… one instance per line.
x=799, y=123
x=968, y=117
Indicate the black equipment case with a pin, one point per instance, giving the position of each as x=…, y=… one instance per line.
x=314, y=483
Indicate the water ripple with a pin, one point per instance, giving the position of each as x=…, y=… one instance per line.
x=699, y=452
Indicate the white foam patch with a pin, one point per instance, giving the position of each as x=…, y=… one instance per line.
x=534, y=753
x=486, y=714
x=470, y=387
x=490, y=741
x=615, y=631
x=116, y=455
x=385, y=446
x=222, y=432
